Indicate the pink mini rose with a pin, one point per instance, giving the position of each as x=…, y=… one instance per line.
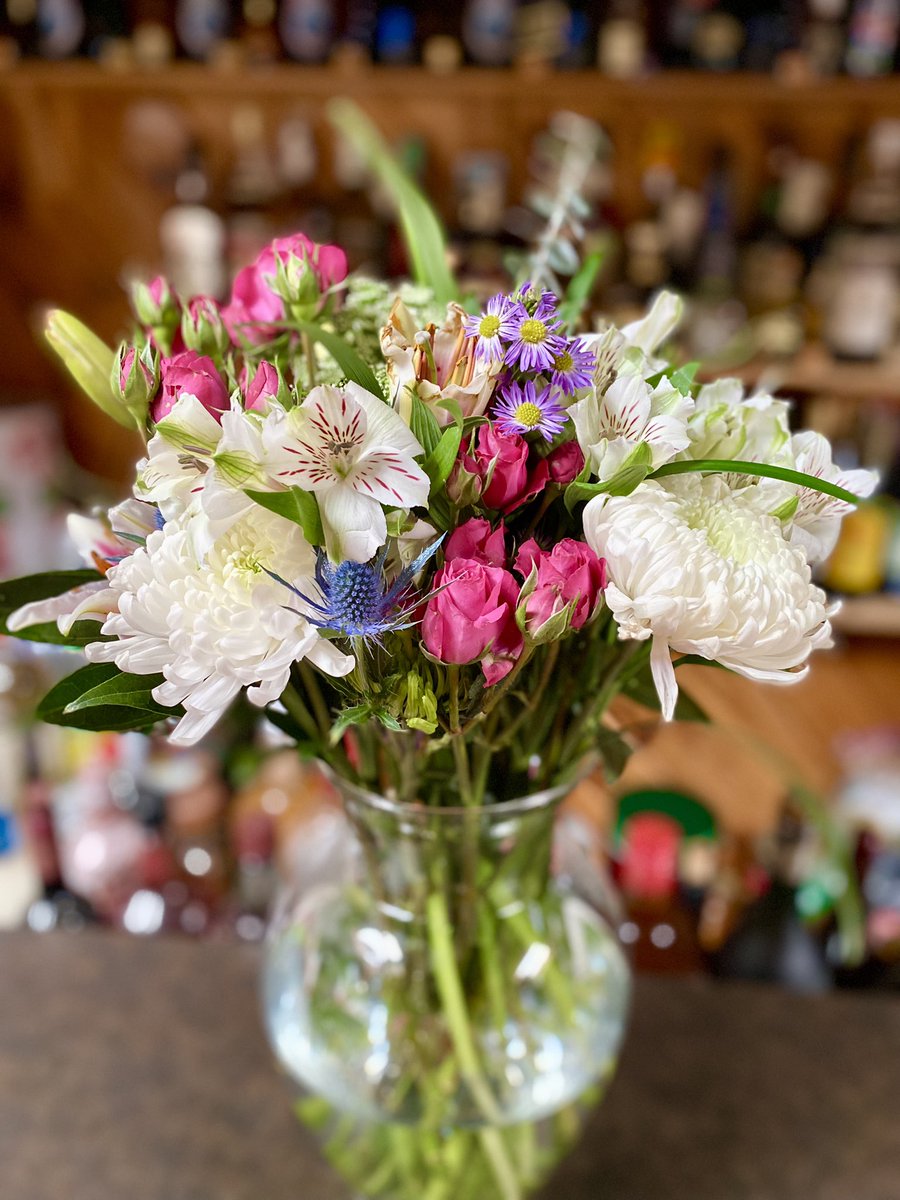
x=255, y=308
x=570, y=571
x=565, y=463
x=190, y=374
x=501, y=460
x=262, y=388
x=476, y=540
x=473, y=618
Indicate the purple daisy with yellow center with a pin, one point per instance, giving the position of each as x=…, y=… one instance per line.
x=493, y=327
x=521, y=409
x=573, y=367
x=535, y=343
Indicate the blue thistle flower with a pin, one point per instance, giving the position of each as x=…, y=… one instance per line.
x=356, y=599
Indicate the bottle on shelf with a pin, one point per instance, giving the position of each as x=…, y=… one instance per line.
x=488, y=29
x=307, y=29
x=872, y=37
x=61, y=28
x=824, y=38
x=622, y=39
x=395, y=35
x=201, y=26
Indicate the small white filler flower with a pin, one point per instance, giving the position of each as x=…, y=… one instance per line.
x=696, y=568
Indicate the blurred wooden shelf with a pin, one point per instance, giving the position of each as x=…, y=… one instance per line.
x=876, y=616
x=814, y=371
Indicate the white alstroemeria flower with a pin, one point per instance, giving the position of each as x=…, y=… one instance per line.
x=611, y=425
x=216, y=625
x=817, y=519
x=179, y=455
x=356, y=454
x=631, y=350
x=727, y=424
x=701, y=571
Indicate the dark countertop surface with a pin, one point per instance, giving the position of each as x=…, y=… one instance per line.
x=138, y=1070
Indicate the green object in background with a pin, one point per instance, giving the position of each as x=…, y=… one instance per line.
x=695, y=819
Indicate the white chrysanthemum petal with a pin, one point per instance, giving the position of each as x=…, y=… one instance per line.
x=214, y=625
x=703, y=572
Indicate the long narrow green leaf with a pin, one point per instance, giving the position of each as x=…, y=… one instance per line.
x=345, y=356
x=89, y=361
x=422, y=231
x=766, y=470
x=297, y=506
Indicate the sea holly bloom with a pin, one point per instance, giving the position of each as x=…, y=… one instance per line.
x=216, y=625
x=573, y=367
x=522, y=409
x=701, y=571
x=189, y=374
x=628, y=414
x=357, y=455
x=471, y=617
x=492, y=327
x=535, y=344
x=355, y=599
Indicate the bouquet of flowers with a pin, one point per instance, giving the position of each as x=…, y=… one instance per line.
x=432, y=539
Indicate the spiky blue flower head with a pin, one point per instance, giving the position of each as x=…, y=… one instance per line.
x=356, y=600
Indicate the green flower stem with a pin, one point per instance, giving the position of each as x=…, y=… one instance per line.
x=537, y=697
x=293, y=702
x=740, y=467
x=453, y=1000
x=500, y=689
x=498, y=1155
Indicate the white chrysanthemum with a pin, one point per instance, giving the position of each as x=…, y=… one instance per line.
x=702, y=572
x=610, y=426
x=216, y=625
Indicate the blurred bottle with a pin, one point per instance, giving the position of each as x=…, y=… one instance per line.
x=20, y=881
x=192, y=235
x=20, y=26
x=61, y=27
x=771, y=943
x=201, y=26
x=622, y=39
x=488, y=28
x=872, y=37
x=307, y=29
x=659, y=928
x=106, y=30
x=718, y=39
x=824, y=36
x=257, y=32
x=395, y=35
x=152, y=23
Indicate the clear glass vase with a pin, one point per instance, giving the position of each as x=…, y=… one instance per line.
x=447, y=988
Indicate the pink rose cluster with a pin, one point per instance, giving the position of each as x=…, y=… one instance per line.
x=498, y=472
x=255, y=308
x=472, y=615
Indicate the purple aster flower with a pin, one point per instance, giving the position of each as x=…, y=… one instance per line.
x=535, y=343
x=523, y=410
x=573, y=368
x=494, y=326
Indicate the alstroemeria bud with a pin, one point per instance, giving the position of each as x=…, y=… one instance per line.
x=202, y=328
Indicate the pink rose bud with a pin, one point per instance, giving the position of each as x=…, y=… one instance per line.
x=473, y=618
x=263, y=388
x=566, y=463
x=502, y=460
x=476, y=540
x=464, y=485
x=190, y=374
x=570, y=574
x=202, y=327
x=137, y=377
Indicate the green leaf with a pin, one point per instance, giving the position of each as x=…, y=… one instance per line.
x=440, y=512
x=580, y=286
x=683, y=378
x=89, y=361
x=614, y=751
x=55, y=708
x=345, y=356
x=123, y=690
x=296, y=505
x=422, y=231
x=765, y=470
x=423, y=425
x=14, y=593
x=633, y=471
x=357, y=715
x=439, y=463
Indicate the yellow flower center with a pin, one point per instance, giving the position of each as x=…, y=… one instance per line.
x=529, y=415
x=564, y=362
x=533, y=331
x=489, y=326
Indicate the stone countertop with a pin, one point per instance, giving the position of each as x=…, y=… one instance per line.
x=138, y=1070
